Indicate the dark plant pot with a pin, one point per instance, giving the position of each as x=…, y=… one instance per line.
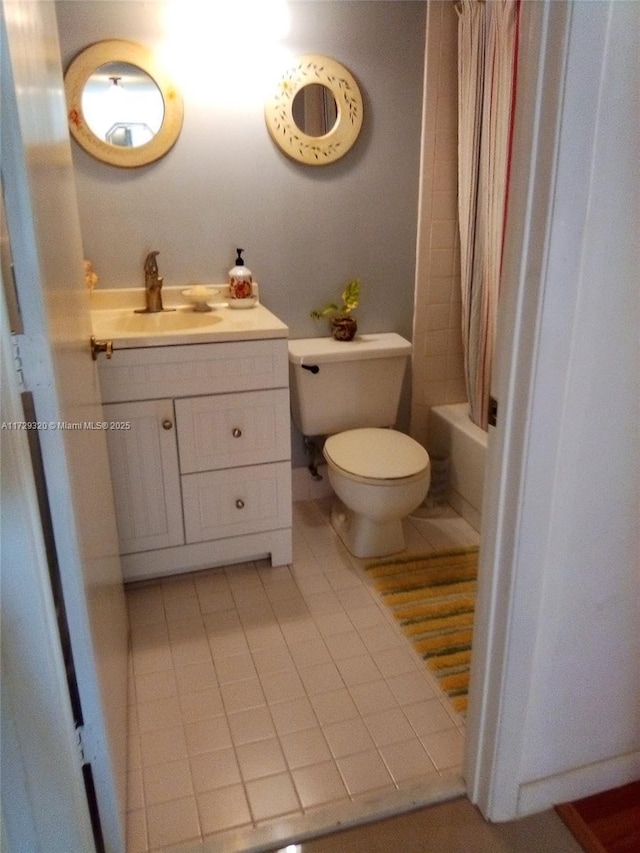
x=343, y=328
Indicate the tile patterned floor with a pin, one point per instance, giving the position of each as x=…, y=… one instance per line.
x=264, y=699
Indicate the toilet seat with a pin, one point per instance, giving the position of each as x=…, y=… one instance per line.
x=376, y=454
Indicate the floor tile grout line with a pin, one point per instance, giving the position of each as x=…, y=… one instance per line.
x=289, y=643
x=346, y=687
x=358, y=564
x=234, y=744
x=189, y=757
x=297, y=668
x=362, y=579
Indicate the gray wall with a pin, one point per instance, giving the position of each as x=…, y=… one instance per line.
x=306, y=230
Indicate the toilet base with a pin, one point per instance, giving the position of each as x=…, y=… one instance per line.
x=364, y=537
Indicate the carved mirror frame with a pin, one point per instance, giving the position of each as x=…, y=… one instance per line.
x=294, y=142
x=78, y=73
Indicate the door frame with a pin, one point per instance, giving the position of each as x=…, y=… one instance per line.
x=41, y=810
x=564, y=60
x=53, y=358
x=495, y=717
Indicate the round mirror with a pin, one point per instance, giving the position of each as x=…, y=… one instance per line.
x=122, y=105
x=315, y=110
x=315, y=113
x=122, y=108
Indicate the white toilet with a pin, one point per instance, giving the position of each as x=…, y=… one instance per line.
x=350, y=391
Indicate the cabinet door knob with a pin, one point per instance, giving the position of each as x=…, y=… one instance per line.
x=167, y=424
x=236, y=433
x=240, y=504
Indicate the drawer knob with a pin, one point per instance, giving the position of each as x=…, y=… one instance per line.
x=167, y=424
x=240, y=504
x=236, y=433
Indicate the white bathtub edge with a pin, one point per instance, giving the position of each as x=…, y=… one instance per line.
x=453, y=434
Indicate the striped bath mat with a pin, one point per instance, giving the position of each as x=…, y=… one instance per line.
x=433, y=598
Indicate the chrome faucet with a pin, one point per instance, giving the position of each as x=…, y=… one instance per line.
x=152, y=287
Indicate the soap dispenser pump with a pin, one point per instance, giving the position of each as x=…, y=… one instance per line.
x=240, y=282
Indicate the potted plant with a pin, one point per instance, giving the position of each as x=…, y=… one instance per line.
x=343, y=325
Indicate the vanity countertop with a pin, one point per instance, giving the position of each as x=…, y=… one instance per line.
x=113, y=318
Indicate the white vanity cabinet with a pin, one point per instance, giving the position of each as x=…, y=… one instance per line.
x=202, y=476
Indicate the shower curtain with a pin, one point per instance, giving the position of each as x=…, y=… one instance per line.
x=487, y=49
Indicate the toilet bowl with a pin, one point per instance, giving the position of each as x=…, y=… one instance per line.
x=380, y=476
x=350, y=391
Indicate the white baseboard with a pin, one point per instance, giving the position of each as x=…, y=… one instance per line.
x=578, y=783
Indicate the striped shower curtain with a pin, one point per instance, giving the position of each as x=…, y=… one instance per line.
x=487, y=45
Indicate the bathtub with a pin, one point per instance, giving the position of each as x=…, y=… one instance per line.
x=452, y=434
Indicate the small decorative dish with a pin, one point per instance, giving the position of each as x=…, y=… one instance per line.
x=200, y=296
x=244, y=302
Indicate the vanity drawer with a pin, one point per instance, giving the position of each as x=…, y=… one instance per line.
x=183, y=371
x=229, y=430
x=236, y=501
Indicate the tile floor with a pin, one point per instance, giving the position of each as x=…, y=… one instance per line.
x=266, y=702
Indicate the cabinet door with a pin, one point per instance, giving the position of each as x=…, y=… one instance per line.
x=144, y=470
x=230, y=430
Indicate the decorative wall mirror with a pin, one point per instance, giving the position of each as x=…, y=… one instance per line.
x=315, y=112
x=122, y=108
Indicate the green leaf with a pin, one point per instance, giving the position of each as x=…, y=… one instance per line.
x=350, y=300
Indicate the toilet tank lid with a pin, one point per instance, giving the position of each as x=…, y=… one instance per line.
x=324, y=350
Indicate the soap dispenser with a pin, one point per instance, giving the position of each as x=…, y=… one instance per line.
x=240, y=284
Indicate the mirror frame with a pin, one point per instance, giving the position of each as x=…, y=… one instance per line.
x=75, y=78
x=315, y=150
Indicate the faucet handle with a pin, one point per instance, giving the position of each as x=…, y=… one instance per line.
x=150, y=264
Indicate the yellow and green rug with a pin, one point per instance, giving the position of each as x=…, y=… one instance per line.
x=432, y=596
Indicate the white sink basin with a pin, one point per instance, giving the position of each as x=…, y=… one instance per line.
x=113, y=318
x=115, y=324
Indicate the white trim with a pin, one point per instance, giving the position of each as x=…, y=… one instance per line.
x=602, y=775
x=275, y=544
x=535, y=142
x=44, y=804
x=536, y=732
x=47, y=254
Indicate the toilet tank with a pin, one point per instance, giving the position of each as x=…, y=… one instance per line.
x=339, y=385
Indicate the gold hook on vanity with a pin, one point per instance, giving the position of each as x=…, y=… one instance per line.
x=100, y=346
